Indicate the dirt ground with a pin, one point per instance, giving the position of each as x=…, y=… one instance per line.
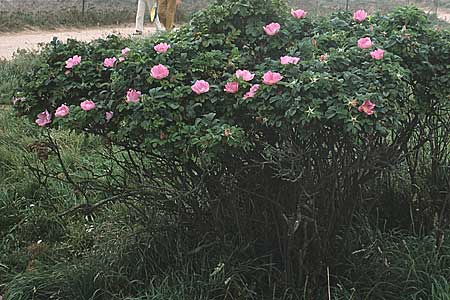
x=10, y=42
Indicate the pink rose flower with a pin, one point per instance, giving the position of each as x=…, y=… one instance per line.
x=365, y=43
x=254, y=88
x=244, y=75
x=121, y=59
x=323, y=57
x=360, y=15
x=271, y=78
x=159, y=72
x=125, y=52
x=200, y=87
x=162, y=47
x=62, y=111
x=87, y=105
x=73, y=61
x=298, y=14
x=227, y=132
x=285, y=60
x=377, y=54
x=232, y=87
x=272, y=28
x=251, y=93
x=108, y=115
x=133, y=96
x=109, y=62
x=43, y=118
x=367, y=107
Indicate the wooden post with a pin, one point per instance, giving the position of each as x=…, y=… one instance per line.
x=82, y=7
x=346, y=5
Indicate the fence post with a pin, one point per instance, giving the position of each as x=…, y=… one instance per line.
x=346, y=5
x=82, y=7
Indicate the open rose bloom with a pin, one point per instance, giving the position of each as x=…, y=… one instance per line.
x=271, y=78
x=159, y=72
x=272, y=28
x=244, y=75
x=125, y=51
x=298, y=14
x=62, y=111
x=73, y=61
x=200, y=87
x=87, y=105
x=377, y=54
x=232, y=87
x=367, y=107
x=133, y=96
x=286, y=60
x=365, y=43
x=43, y=118
x=161, y=47
x=360, y=15
x=251, y=93
x=109, y=62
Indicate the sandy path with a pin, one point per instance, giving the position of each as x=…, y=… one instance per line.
x=10, y=42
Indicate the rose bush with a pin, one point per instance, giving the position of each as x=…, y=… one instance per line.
x=278, y=122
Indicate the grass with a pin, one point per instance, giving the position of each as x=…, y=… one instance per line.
x=386, y=264
x=19, y=15
x=11, y=21
x=11, y=71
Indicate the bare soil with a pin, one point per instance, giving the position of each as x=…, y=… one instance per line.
x=10, y=42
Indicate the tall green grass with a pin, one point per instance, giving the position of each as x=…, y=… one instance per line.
x=11, y=72
x=377, y=264
x=28, y=210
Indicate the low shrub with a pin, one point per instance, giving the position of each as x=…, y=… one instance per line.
x=271, y=137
